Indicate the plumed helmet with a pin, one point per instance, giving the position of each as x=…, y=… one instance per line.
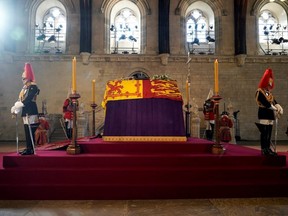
x=267, y=79
x=210, y=94
x=28, y=72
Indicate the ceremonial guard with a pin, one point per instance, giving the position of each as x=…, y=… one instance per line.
x=225, y=124
x=209, y=116
x=41, y=134
x=268, y=111
x=68, y=117
x=27, y=105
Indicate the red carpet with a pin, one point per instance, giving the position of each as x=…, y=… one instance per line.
x=121, y=170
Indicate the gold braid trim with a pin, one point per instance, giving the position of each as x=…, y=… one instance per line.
x=25, y=87
x=269, y=97
x=21, y=94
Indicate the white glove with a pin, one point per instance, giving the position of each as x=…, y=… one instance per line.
x=279, y=109
x=17, y=108
x=13, y=110
x=273, y=108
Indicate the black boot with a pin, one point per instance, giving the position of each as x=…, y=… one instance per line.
x=29, y=148
x=263, y=136
x=68, y=131
x=265, y=139
x=269, y=135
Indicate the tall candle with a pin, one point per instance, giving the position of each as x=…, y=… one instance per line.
x=93, y=91
x=216, y=77
x=74, y=75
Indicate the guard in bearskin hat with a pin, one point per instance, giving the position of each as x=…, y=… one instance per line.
x=27, y=105
x=268, y=111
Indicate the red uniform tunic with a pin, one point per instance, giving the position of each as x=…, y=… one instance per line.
x=225, y=125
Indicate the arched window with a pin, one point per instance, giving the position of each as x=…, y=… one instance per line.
x=50, y=28
x=139, y=75
x=272, y=30
x=125, y=28
x=200, y=34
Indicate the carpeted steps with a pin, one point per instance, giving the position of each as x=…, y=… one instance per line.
x=142, y=175
x=44, y=160
x=143, y=171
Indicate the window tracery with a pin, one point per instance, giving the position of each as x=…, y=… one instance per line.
x=200, y=36
x=272, y=34
x=50, y=31
x=125, y=32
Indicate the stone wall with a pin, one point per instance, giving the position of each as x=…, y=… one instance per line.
x=53, y=76
x=238, y=77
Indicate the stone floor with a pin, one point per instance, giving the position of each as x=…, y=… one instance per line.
x=186, y=207
x=190, y=207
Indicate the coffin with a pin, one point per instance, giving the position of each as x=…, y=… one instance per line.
x=143, y=110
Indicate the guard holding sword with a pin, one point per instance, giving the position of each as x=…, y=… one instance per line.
x=268, y=112
x=26, y=105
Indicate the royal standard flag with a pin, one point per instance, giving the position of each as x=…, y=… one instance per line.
x=138, y=89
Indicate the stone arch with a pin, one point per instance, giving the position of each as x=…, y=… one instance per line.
x=69, y=5
x=142, y=4
x=215, y=5
x=139, y=74
x=258, y=4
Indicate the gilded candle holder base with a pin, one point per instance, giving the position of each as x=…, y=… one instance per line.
x=93, y=105
x=218, y=149
x=216, y=98
x=74, y=96
x=73, y=149
x=188, y=106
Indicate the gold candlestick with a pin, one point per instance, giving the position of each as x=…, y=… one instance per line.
x=93, y=106
x=217, y=148
x=73, y=148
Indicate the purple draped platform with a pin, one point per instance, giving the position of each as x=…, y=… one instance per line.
x=143, y=170
x=144, y=117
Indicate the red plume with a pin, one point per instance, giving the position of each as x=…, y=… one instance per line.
x=28, y=72
x=264, y=82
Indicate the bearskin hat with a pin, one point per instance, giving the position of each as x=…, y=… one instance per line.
x=28, y=72
x=267, y=79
